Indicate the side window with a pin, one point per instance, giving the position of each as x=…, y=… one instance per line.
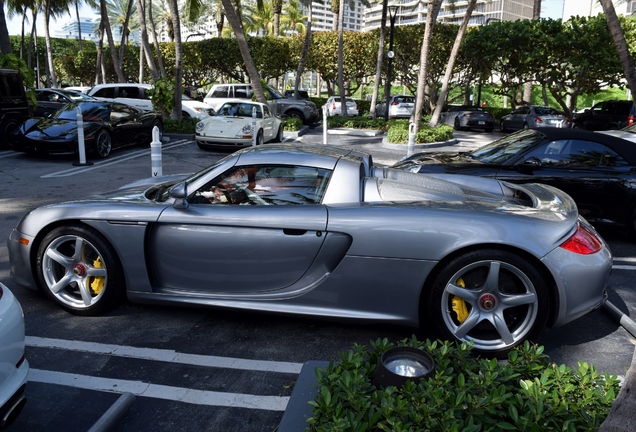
x=266, y=111
x=106, y=92
x=241, y=92
x=220, y=92
x=613, y=159
x=569, y=152
x=265, y=185
x=129, y=92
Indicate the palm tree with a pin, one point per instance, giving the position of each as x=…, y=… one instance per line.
x=155, y=39
x=378, y=65
x=111, y=43
x=5, y=43
x=51, y=8
x=293, y=18
x=257, y=17
x=621, y=45
x=277, y=8
x=441, y=100
x=20, y=7
x=306, y=44
x=343, y=99
x=145, y=45
x=431, y=17
x=178, y=58
x=232, y=12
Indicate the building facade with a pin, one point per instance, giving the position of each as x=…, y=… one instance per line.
x=592, y=8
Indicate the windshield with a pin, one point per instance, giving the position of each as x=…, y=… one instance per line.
x=498, y=152
x=546, y=111
x=90, y=111
x=77, y=96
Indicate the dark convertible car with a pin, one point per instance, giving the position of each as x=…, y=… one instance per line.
x=596, y=169
x=107, y=126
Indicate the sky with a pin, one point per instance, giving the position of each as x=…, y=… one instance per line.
x=550, y=9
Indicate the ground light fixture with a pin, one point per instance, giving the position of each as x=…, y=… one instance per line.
x=401, y=364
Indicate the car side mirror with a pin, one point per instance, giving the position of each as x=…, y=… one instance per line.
x=179, y=193
x=532, y=161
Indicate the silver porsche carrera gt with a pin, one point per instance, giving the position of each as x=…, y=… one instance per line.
x=321, y=231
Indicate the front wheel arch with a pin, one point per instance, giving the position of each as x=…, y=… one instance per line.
x=425, y=319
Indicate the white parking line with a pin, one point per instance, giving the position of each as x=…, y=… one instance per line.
x=179, y=394
x=169, y=356
x=114, y=160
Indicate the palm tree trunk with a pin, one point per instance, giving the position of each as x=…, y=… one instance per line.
x=124, y=32
x=144, y=42
x=451, y=63
x=5, y=43
x=277, y=7
x=79, y=25
x=49, y=48
x=378, y=65
x=99, y=63
x=178, y=56
x=306, y=44
x=155, y=40
x=621, y=46
x=341, y=88
x=111, y=42
x=237, y=27
x=431, y=16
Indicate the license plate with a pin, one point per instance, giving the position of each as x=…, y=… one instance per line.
x=481, y=122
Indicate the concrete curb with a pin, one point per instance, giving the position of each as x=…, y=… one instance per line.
x=356, y=132
x=418, y=147
x=297, y=133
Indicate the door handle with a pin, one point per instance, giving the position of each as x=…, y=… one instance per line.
x=294, y=232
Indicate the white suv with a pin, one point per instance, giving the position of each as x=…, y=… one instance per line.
x=137, y=95
x=280, y=105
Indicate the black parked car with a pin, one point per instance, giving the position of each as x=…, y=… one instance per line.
x=107, y=125
x=51, y=100
x=607, y=115
x=14, y=107
x=597, y=170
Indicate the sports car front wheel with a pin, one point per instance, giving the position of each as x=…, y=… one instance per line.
x=491, y=298
x=103, y=144
x=77, y=268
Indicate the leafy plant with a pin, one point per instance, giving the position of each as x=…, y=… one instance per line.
x=184, y=126
x=292, y=124
x=163, y=96
x=398, y=133
x=527, y=392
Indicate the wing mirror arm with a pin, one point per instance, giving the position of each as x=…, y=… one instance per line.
x=179, y=193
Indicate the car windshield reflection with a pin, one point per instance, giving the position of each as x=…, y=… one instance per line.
x=90, y=112
x=498, y=152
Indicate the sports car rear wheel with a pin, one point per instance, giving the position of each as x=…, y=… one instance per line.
x=77, y=269
x=456, y=125
x=492, y=298
x=279, y=135
x=259, y=138
x=103, y=144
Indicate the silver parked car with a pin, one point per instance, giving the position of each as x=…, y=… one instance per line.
x=400, y=106
x=333, y=106
x=463, y=117
x=321, y=231
x=532, y=116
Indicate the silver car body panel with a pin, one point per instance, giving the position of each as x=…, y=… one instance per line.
x=367, y=251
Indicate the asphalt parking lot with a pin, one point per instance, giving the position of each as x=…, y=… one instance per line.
x=216, y=370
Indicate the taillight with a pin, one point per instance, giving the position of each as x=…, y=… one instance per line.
x=395, y=103
x=583, y=241
x=468, y=115
x=630, y=120
x=333, y=107
x=538, y=120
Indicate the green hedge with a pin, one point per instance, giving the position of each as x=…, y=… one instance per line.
x=526, y=393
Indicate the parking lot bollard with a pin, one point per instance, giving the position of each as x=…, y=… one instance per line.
x=81, y=145
x=254, y=127
x=410, y=149
x=325, y=111
x=155, y=153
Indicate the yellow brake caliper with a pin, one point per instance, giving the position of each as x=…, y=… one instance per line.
x=97, y=282
x=459, y=305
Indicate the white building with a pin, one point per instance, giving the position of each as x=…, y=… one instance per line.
x=452, y=12
x=592, y=8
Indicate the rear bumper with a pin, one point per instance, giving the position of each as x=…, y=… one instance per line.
x=12, y=408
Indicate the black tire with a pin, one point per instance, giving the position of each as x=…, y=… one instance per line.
x=86, y=281
x=279, y=135
x=6, y=129
x=518, y=283
x=525, y=126
x=103, y=144
x=576, y=126
x=502, y=126
x=456, y=125
x=295, y=114
x=185, y=115
x=259, y=138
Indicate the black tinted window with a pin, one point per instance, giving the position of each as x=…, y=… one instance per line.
x=106, y=92
x=220, y=92
x=11, y=86
x=570, y=153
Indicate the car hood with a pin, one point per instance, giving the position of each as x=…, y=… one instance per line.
x=227, y=126
x=45, y=128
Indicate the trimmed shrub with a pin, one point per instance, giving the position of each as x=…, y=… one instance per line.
x=526, y=393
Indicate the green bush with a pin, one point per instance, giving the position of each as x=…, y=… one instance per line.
x=184, y=126
x=526, y=393
x=292, y=124
x=356, y=122
x=398, y=133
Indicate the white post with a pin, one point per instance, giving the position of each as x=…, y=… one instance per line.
x=155, y=153
x=80, y=136
x=325, y=111
x=411, y=146
x=253, y=126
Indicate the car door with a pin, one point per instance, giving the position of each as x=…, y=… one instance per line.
x=253, y=229
x=573, y=166
x=269, y=124
x=517, y=118
x=126, y=125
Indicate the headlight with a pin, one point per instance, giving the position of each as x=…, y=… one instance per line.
x=199, y=127
x=197, y=109
x=245, y=133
